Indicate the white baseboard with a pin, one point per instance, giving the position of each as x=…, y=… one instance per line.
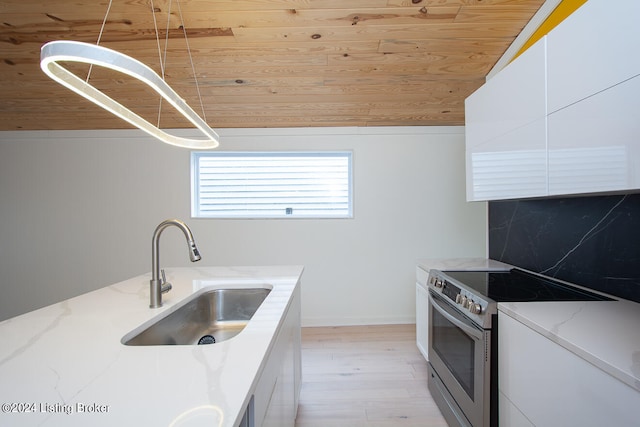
x=356, y=321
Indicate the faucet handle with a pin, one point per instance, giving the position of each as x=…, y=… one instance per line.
x=164, y=285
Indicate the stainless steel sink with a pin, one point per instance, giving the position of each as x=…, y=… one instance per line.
x=213, y=316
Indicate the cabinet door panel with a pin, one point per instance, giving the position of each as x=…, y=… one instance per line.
x=593, y=49
x=552, y=387
x=513, y=98
x=594, y=144
x=510, y=166
x=422, y=319
x=505, y=131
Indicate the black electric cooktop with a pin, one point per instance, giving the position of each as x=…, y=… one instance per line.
x=516, y=285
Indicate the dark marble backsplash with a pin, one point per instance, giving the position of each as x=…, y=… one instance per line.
x=591, y=241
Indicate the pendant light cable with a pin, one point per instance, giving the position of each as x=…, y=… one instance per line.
x=52, y=53
x=163, y=56
x=166, y=42
x=155, y=26
x=193, y=68
x=104, y=22
x=166, y=36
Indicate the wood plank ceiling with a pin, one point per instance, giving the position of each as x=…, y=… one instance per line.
x=263, y=63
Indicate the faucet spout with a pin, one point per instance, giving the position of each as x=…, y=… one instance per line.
x=157, y=285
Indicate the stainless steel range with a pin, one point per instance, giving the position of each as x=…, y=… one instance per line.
x=463, y=335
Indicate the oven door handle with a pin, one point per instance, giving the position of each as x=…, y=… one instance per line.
x=469, y=330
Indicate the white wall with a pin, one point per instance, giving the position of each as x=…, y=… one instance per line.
x=77, y=211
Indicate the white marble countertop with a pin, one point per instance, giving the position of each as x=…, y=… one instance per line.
x=64, y=365
x=604, y=333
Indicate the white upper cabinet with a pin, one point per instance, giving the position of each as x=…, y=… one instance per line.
x=505, y=125
x=562, y=118
x=592, y=50
x=594, y=98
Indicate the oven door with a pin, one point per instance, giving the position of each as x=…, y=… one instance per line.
x=459, y=353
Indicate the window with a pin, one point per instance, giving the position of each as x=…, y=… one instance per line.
x=271, y=185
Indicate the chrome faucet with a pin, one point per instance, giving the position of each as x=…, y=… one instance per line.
x=158, y=285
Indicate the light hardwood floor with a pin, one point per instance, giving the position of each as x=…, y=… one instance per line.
x=364, y=376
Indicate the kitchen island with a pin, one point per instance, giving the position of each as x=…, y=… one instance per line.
x=65, y=364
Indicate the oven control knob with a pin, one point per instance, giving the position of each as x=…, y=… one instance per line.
x=464, y=301
x=438, y=283
x=459, y=299
x=475, y=308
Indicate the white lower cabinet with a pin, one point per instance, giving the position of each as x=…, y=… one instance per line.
x=543, y=384
x=275, y=400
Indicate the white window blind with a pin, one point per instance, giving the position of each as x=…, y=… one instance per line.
x=271, y=185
